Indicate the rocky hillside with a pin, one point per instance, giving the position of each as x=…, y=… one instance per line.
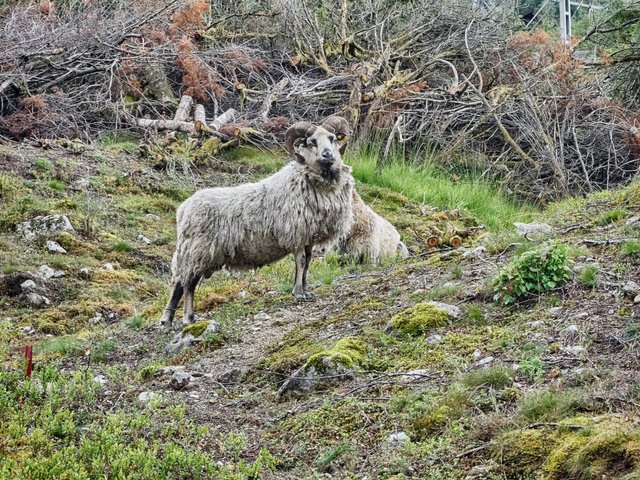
x=509, y=357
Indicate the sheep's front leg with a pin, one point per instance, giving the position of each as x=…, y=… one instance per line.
x=170, y=309
x=301, y=267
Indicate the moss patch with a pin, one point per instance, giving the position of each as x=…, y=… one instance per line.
x=348, y=352
x=419, y=319
x=196, y=329
x=523, y=451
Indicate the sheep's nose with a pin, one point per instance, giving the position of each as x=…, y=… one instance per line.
x=327, y=156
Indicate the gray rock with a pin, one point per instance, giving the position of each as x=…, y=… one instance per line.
x=415, y=375
x=29, y=286
x=36, y=300
x=574, y=350
x=632, y=221
x=478, y=472
x=142, y=239
x=396, y=439
x=631, y=288
x=536, y=324
x=309, y=378
x=152, y=216
x=476, y=355
x=180, y=380
x=433, y=339
x=534, y=230
x=636, y=299
x=108, y=266
x=262, y=317
x=572, y=332
x=101, y=380
x=230, y=377
x=96, y=319
x=28, y=330
x=483, y=362
x=55, y=247
x=555, y=311
x=84, y=273
x=453, y=311
x=181, y=340
x=476, y=252
x=148, y=397
x=44, y=226
x=46, y=272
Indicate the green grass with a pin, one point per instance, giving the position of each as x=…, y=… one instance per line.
x=631, y=249
x=429, y=184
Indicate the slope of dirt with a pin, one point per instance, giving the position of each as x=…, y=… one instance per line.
x=547, y=388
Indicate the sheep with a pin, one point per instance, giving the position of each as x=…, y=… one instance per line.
x=308, y=201
x=371, y=236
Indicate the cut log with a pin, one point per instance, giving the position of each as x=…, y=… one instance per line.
x=188, y=127
x=226, y=117
x=231, y=130
x=199, y=117
x=184, y=109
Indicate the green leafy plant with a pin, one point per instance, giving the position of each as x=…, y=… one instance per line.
x=535, y=271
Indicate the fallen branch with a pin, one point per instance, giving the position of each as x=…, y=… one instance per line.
x=183, y=110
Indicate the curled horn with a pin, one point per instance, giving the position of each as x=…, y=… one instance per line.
x=295, y=131
x=340, y=127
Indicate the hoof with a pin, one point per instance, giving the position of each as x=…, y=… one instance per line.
x=304, y=297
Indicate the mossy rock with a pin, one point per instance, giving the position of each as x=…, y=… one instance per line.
x=420, y=319
x=348, y=352
x=523, y=452
x=608, y=449
x=196, y=329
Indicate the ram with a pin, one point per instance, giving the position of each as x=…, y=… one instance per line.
x=308, y=201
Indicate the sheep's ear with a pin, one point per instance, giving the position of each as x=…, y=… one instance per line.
x=343, y=140
x=298, y=145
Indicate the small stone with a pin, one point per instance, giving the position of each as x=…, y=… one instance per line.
x=555, y=311
x=46, y=271
x=536, y=324
x=28, y=330
x=108, y=266
x=484, y=362
x=534, y=230
x=476, y=355
x=478, y=472
x=230, y=376
x=636, y=299
x=180, y=380
x=84, y=273
x=36, y=300
x=476, y=252
x=97, y=318
x=399, y=438
x=633, y=220
x=572, y=332
x=574, y=350
x=581, y=315
x=152, y=216
x=415, y=375
x=453, y=311
x=142, y=239
x=243, y=294
x=55, y=247
x=433, y=339
x=195, y=396
x=148, y=397
x=631, y=288
x=81, y=184
x=28, y=286
x=101, y=380
x=262, y=317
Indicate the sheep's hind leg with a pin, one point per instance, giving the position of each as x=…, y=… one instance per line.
x=189, y=293
x=170, y=309
x=301, y=265
x=308, y=252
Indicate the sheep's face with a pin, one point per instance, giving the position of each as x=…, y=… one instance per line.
x=320, y=151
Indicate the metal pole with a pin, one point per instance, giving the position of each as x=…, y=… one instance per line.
x=565, y=20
